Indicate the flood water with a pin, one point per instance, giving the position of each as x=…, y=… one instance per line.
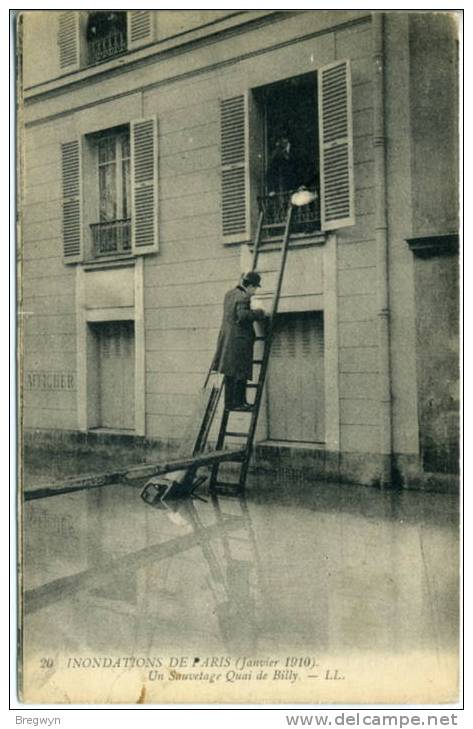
x=295, y=568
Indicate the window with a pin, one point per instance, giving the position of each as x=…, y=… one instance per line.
x=288, y=110
x=106, y=35
x=112, y=234
x=86, y=38
x=110, y=192
x=283, y=136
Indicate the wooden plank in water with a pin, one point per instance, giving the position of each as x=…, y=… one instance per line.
x=79, y=483
x=90, y=481
x=204, y=459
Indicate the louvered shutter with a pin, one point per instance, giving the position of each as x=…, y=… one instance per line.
x=234, y=162
x=336, y=146
x=144, y=170
x=68, y=40
x=140, y=26
x=71, y=201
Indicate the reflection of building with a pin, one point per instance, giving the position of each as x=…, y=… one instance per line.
x=147, y=146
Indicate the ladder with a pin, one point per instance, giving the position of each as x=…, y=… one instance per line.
x=183, y=483
x=247, y=436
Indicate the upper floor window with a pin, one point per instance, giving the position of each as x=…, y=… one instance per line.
x=288, y=113
x=112, y=233
x=87, y=37
x=106, y=35
x=110, y=193
x=278, y=138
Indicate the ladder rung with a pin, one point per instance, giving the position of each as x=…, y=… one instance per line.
x=236, y=434
x=227, y=484
x=250, y=384
x=225, y=491
x=238, y=410
x=260, y=339
x=257, y=361
x=226, y=487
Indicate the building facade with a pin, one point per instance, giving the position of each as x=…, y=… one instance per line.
x=148, y=142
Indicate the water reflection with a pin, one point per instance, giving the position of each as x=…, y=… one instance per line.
x=322, y=568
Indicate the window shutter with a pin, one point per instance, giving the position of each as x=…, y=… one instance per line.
x=234, y=162
x=71, y=202
x=336, y=146
x=68, y=40
x=144, y=187
x=140, y=27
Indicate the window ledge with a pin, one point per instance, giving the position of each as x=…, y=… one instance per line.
x=295, y=241
x=112, y=262
x=300, y=240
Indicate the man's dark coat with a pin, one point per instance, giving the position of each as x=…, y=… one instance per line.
x=234, y=353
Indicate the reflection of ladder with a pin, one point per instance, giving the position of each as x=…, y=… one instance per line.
x=232, y=540
x=247, y=436
x=246, y=587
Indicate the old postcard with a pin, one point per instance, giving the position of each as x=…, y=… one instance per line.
x=239, y=356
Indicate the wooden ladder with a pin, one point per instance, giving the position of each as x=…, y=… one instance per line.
x=247, y=436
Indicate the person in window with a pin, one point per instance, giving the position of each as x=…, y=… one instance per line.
x=102, y=23
x=288, y=172
x=282, y=175
x=234, y=353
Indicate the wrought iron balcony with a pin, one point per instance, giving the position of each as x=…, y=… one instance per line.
x=305, y=219
x=109, y=45
x=111, y=238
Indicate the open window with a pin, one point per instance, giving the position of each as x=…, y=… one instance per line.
x=106, y=35
x=287, y=111
x=280, y=137
x=88, y=37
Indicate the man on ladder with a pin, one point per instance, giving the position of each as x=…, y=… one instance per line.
x=234, y=359
x=234, y=354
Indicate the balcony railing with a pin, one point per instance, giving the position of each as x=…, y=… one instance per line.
x=112, y=238
x=107, y=46
x=305, y=219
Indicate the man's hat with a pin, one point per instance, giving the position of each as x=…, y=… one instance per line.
x=251, y=279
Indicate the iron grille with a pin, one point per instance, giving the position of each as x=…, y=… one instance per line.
x=111, y=238
x=305, y=219
x=109, y=45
